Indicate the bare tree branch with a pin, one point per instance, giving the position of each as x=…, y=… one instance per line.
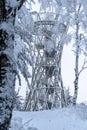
x=21, y=2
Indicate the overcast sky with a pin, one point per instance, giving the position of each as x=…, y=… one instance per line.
x=68, y=65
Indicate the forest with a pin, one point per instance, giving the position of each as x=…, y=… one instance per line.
x=33, y=36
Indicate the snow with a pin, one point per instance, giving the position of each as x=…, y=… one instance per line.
x=73, y=118
x=12, y=3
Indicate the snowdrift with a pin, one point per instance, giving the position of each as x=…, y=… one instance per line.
x=72, y=118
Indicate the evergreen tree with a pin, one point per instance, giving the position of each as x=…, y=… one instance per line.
x=8, y=11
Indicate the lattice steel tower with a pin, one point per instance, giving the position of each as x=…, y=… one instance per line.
x=47, y=87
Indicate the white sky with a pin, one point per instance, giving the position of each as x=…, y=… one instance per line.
x=68, y=63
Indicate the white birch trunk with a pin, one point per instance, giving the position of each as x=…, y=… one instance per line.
x=77, y=55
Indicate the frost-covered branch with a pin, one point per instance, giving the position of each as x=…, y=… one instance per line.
x=84, y=66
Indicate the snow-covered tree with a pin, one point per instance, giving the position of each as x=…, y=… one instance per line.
x=9, y=54
x=78, y=20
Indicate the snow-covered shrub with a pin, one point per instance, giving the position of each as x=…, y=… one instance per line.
x=81, y=111
x=18, y=102
x=68, y=98
x=16, y=124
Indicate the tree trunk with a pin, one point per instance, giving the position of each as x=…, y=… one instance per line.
x=7, y=83
x=7, y=73
x=76, y=76
x=76, y=65
x=77, y=11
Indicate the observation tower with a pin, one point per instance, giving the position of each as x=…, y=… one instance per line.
x=46, y=85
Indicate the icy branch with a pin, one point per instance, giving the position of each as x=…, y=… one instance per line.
x=83, y=67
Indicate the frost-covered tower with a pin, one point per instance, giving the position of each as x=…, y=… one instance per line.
x=47, y=87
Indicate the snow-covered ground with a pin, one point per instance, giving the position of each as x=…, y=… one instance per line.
x=61, y=119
